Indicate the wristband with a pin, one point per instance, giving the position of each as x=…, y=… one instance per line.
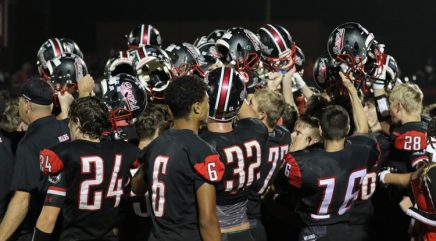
x=39, y=235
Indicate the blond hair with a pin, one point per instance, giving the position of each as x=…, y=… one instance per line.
x=272, y=103
x=409, y=96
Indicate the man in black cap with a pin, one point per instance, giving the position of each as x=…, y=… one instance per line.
x=28, y=183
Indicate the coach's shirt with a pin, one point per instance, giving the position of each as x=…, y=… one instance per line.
x=175, y=165
x=6, y=167
x=42, y=133
x=330, y=182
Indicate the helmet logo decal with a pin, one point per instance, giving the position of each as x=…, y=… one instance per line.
x=126, y=90
x=339, y=41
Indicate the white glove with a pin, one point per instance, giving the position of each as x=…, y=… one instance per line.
x=299, y=83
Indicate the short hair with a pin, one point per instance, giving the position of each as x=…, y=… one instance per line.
x=154, y=117
x=409, y=96
x=431, y=110
x=10, y=118
x=272, y=103
x=289, y=116
x=184, y=92
x=315, y=105
x=334, y=123
x=92, y=114
x=310, y=122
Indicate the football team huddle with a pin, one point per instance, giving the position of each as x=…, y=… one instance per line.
x=220, y=139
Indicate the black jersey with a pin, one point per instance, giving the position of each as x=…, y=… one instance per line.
x=278, y=144
x=243, y=151
x=6, y=167
x=27, y=177
x=87, y=181
x=329, y=182
x=409, y=142
x=175, y=165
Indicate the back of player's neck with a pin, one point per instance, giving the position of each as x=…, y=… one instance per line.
x=411, y=118
x=334, y=145
x=144, y=143
x=219, y=127
x=186, y=124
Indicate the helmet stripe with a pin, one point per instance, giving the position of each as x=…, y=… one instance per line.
x=56, y=47
x=141, y=41
x=225, y=81
x=145, y=35
x=277, y=37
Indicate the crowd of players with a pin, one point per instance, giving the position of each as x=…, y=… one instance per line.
x=219, y=140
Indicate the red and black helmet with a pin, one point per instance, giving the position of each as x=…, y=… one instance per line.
x=326, y=76
x=64, y=71
x=349, y=44
x=278, y=48
x=226, y=93
x=240, y=48
x=143, y=35
x=186, y=59
x=125, y=98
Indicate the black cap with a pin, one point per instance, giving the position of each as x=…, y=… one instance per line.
x=38, y=92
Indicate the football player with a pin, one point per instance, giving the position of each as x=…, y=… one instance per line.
x=242, y=148
x=180, y=169
x=269, y=107
x=87, y=177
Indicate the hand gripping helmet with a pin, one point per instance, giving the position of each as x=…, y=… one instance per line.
x=186, y=59
x=125, y=98
x=348, y=44
x=153, y=68
x=278, y=48
x=226, y=93
x=65, y=71
x=143, y=35
x=240, y=48
x=120, y=62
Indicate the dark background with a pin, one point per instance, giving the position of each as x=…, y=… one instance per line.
x=408, y=28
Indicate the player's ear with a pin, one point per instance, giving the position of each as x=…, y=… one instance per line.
x=196, y=108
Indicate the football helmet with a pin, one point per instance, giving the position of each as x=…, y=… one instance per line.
x=71, y=47
x=125, y=98
x=300, y=59
x=200, y=41
x=186, y=59
x=215, y=35
x=64, y=72
x=226, y=93
x=153, y=68
x=143, y=35
x=326, y=76
x=120, y=62
x=240, y=48
x=278, y=48
x=49, y=50
x=348, y=45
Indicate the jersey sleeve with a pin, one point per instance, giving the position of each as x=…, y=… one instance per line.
x=414, y=142
x=206, y=161
x=57, y=190
x=292, y=170
x=26, y=175
x=50, y=162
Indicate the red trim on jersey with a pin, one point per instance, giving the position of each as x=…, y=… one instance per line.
x=223, y=94
x=202, y=168
x=277, y=38
x=54, y=188
x=400, y=140
x=419, y=159
x=295, y=174
x=49, y=162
